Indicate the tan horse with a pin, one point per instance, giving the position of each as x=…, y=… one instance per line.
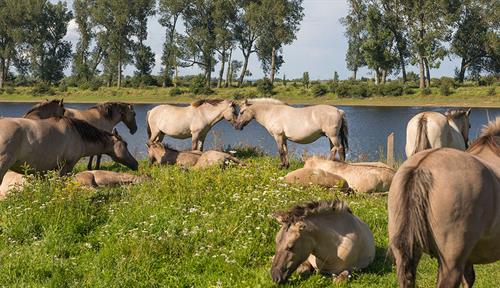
x=362, y=177
x=300, y=125
x=47, y=109
x=323, y=236
x=193, y=121
x=105, y=116
x=446, y=203
x=56, y=143
x=11, y=181
x=307, y=177
x=101, y=178
x=429, y=130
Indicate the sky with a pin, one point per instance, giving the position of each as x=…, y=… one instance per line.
x=319, y=48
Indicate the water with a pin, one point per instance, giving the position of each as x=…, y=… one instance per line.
x=368, y=130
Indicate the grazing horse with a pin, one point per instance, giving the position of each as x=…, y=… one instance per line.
x=323, y=236
x=301, y=125
x=47, y=109
x=193, y=121
x=105, y=116
x=428, y=130
x=446, y=203
x=56, y=143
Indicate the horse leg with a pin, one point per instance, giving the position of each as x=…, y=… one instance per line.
x=305, y=269
x=98, y=162
x=406, y=267
x=5, y=162
x=281, y=142
x=89, y=166
x=67, y=167
x=201, y=141
x=469, y=276
x=449, y=274
x=336, y=146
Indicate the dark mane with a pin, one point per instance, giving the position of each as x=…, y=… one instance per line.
x=200, y=102
x=87, y=132
x=106, y=109
x=301, y=211
x=41, y=105
x=455, y=113
x=489, y=136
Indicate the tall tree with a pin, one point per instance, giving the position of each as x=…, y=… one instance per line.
x=82, y=68
x=355, y=33
x=225, y=13
x=144, y=56
x=247, y=31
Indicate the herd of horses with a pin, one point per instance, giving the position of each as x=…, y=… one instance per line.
x=444, y=200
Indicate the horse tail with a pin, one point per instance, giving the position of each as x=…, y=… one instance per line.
x=413, y=233
x=422, y=140
x=343, y=134
x=147, y=126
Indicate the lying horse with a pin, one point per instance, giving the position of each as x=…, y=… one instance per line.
x=105, y=116
x=47, y=109
x=434, y=130
x=362, y=177
x=446, y=203
x=307, y=177
x=11, y=180
x=300, y=125
x=56, y=143
x=162, y=154
x=323, y=236
x=100, y=178
x=193, y=121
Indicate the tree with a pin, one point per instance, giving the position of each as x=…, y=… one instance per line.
x=305, y=79
x=355, y=33
x=225, y=13
x=335, y=76
x=144, y=56
x=247, y=32
x=49, y=53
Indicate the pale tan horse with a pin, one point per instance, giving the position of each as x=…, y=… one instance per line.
x=11, y=181
x=102, y=178
x=308, y=176
x=106, y=116
x=428, y=130
x=367, y=177
x=47, y=109
x=56, y=143
x=323, y=236
x=192, y=121
x=446, y=203
x=300, y=125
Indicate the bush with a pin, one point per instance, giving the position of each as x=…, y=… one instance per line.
x=318, y=90
x=176, y=91
x=63, y=87
x=444, y=89
x=491, y=91
x=94, y=84
x=426, y=91
x=391, y=89
x=197, y=86
x=264, y=87
x=42, y=88
x=408, y=90
x=354, y=89
x=10, y=90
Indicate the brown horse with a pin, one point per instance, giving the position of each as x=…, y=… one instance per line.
x=446, y=203
x=56, y=143
x=105, y=116
x=47, y=109
x=102, y=178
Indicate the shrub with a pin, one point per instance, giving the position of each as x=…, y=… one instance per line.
x=63, y=87
x=391, y=89
x=175, y=91
x=354, y=89
x=408, y=90
x=318, y=90
x=426, y=91
x=264, y=87
x=238, y=95
x=94, y=84
x=42, y=88
x=491, y=91
x=198, y=87
x=444, y=89
x=10, y=90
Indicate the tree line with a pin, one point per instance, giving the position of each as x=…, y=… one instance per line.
x=113, y=33
x=388, y=35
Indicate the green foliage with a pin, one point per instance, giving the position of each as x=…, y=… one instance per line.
x=354, y=89
x=305, y=79
x=318, y=90
x=392, y=88
x=63, y=87
x=41, y=89
x=492, y=91
x=408, y=90
x=197, y=86
x=175, y=91
x=426, y=91
x=444, y=89
x=264, y=87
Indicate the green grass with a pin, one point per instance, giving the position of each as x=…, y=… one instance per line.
x=210, y=228
x=463, y=96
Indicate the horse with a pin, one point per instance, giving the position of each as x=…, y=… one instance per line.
x=307, y=177
x=324, y=236
x=11, y=180
x=434, y=130
x=446, y=203
x=105, y=116
x=56, y=143
x=301, y=125
x=101, y=178
x=47, y=109
x=367, y=177
x=193, y=121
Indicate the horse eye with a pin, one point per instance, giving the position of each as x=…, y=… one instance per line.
x=289, y=247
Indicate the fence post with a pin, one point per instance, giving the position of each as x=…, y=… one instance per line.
x=390, y=149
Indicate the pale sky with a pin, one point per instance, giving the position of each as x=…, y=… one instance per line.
x=319, y=49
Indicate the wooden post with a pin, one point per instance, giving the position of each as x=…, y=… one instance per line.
x=390, y=149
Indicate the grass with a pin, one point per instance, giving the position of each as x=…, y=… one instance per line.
x=210, y=228
x=463, y=96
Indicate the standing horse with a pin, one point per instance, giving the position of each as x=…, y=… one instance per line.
x=446, y=203
x=193, y=121
x=105, y=116
x=434, y=130
x=47, y=109
x=323, y=236
x=56, y=143
x=301, y=125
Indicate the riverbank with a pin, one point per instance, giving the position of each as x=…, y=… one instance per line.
x=210, y=228
x=461, y=97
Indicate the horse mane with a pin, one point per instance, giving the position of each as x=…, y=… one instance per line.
x=164, y=146
x=106, y=109
x=87, y=132
x=455, y=113
x=487, y=137
x=270, y=101
x=313, y=208
x=40, y=105
x=212, y=102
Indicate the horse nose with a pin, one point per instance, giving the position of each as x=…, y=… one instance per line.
x=278, y=276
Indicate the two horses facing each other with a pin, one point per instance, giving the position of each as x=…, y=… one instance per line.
x=446, y=203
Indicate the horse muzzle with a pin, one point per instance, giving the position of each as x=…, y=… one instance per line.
x=279, y=276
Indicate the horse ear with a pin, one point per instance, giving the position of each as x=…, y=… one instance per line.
x=468, y=112
x=147, y=144
x=280, y=216
x=115, y=132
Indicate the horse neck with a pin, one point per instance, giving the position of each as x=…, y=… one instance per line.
x=169, y=155
x=457, y=137
x=95, y=148
x=262, y=112
x=212, y=115
x=323, y=234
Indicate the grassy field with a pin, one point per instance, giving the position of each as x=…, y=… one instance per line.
x=209, y=228
x=463, y=96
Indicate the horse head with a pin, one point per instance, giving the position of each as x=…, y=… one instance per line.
x=120, y=152
x=128, y=117
x=246, y=115
x=460, y=117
